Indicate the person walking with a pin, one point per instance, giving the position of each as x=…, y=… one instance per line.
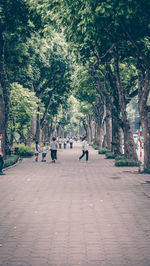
x=65, y=143
x=60, y=142
x=44, y=153
x=36, y=153
x=53, y=148
x=71, y=143
x=1, y=156
x=84, y=149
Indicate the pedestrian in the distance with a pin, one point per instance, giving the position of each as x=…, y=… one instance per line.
x=71, y=143
x=84, y=149
x=36, y=153
x=44, y=153
x=1, y=156
x=65, y=143
x=53, y=148
x=60, y=142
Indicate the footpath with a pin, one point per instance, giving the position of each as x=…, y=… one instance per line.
x=74, y=213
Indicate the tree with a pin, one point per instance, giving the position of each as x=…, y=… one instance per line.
x=91, y=103
x=22, y=106
x=13, y=25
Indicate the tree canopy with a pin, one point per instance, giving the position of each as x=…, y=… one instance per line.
x=98, y=51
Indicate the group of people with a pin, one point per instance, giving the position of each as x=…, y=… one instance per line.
x=64, y=142
x=55, y=144
x=53, y=149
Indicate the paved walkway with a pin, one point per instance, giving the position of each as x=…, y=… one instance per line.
x=74, y=213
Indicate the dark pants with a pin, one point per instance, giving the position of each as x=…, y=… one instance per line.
x=59, y=145
x=1, y=163
x=71, y=145
x=54, y=154
x=83, y=153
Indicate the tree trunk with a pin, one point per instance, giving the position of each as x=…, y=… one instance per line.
x=32, y=130
x=2, y=117
x=129, y=144
x=108, y=129
x=143, y=93
x=85, y=127
x=90, y=133
x=46, y=109
x=4, y=93
x=96, y=135
x=37, y=134
x=116, y=137
x=45, y=133
x=146, y=136
x=100, y=136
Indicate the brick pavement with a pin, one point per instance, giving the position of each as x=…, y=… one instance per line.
x=74, y=213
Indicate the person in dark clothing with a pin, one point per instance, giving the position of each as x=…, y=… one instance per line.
x=36, y=153
x=71, y=143
x=1, y=156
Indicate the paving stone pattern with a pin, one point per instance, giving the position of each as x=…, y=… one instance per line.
x=74, y=213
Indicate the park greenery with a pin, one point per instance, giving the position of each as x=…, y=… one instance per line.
x=73, y=67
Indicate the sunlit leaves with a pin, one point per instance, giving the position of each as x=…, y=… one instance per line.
x=22, y=107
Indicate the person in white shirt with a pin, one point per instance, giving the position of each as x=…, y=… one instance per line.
x=84, y=149
x=1, y=156
x=53, y=148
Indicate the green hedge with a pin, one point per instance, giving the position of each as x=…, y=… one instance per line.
x=120, y=157
x=96, y=147
x=126, y=162
x=146, y=171
x=110, y=155
x=10, y=160
x=103, y=151
x=24, y=151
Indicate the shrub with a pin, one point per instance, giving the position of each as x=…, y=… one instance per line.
x=10, y=160
x=25, y=151
x=103, y=151
x=146, y=171
x=120, y=157
x=110, y=155
x=96, y=147
x=126, y=162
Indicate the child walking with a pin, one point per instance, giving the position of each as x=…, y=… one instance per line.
x=44, y=153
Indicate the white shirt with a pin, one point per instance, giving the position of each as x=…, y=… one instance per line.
x=84, y=145
x=53, y=145
x=44, y=149
x=60, y=141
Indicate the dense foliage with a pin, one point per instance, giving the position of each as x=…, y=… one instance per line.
x=97, y=50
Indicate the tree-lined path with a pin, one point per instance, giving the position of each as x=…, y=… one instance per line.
x=74, y=213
